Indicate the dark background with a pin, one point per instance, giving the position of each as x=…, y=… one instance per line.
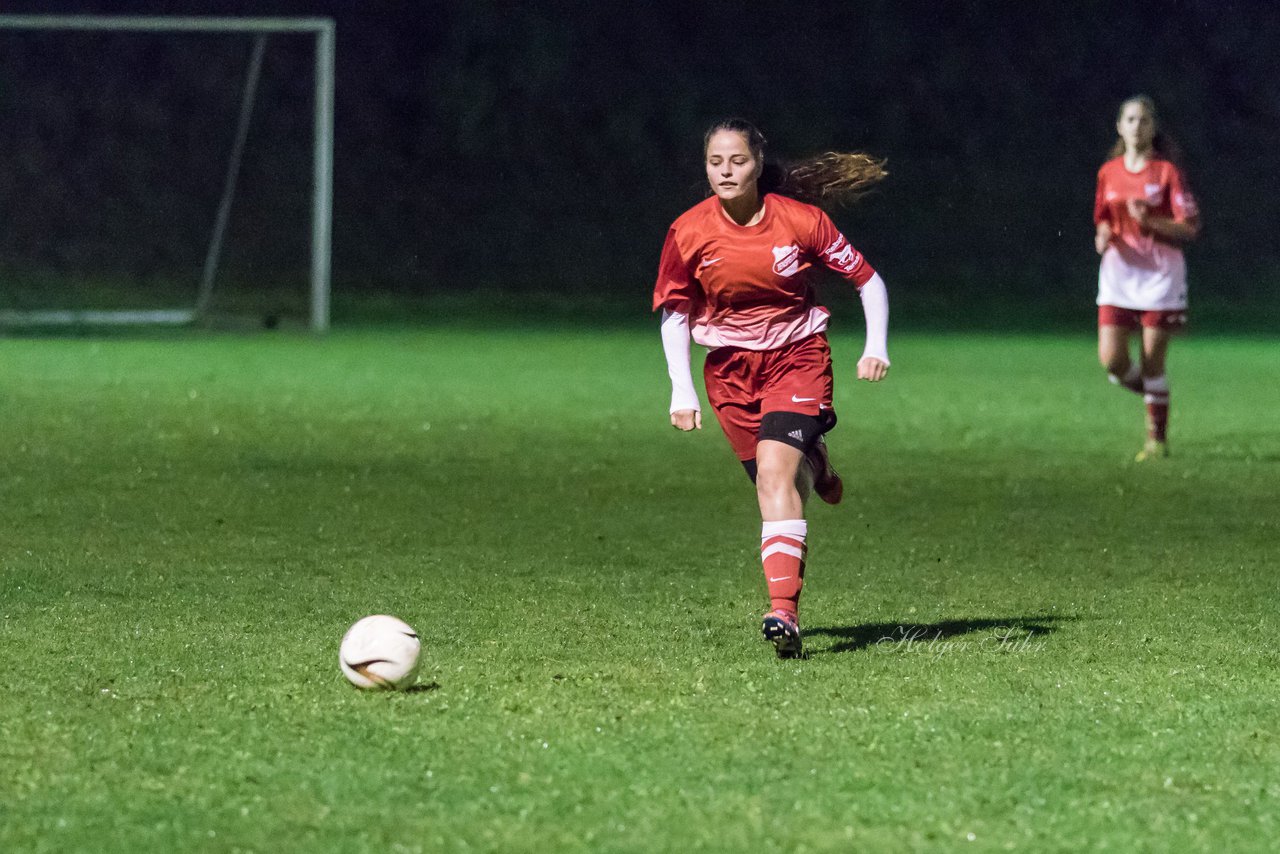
x=538, y=148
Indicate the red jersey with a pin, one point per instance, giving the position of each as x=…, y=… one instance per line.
x=1159, y=184
x=748, y=286
x=1139, y=270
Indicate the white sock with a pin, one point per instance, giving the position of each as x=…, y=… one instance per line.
x=794, y=528
x=1156, y=389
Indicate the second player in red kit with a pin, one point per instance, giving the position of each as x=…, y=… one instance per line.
x=735, y=277
x=1143, y=216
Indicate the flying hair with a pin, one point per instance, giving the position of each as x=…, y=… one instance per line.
x=827, y=180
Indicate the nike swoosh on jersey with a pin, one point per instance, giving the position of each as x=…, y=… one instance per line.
x=795, y=399
x=709, y=262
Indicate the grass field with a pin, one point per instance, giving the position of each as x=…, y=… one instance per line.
x=1020, y=639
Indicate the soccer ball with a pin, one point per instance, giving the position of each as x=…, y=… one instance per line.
x=380, y=652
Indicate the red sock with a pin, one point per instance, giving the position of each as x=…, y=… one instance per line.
x=782, y=551
x=1156, y=395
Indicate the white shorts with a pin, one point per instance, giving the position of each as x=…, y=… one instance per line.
x=1155, y=281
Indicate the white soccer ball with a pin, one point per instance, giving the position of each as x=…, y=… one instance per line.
x=380, y=652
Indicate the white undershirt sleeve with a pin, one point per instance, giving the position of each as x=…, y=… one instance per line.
x=875, y=307
x=675, y=344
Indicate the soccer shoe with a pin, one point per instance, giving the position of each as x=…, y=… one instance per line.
x=781, y=629
x=1154, y=449
x=826, y=482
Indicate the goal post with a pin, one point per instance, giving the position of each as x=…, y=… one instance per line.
x=322, y=148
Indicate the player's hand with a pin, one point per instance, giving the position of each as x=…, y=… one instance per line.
x=1138, y=209
x=686, y=419
x=872, y=369
x=1102, y=238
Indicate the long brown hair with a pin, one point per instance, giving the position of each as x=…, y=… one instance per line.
x=826, y=180
x=1161, y=143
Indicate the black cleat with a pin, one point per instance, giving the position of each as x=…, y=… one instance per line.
x=781, y=629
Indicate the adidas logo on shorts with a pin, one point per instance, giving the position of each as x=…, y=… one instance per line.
x=798, y=435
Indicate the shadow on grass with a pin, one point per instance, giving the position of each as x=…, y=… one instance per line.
x=421, y=688
x=997, y=634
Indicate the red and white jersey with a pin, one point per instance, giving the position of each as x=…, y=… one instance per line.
x=1139, y=270
x=748, y=286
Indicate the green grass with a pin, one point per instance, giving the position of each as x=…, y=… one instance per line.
x=1081, y=651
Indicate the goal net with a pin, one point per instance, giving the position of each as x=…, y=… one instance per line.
x=165, y=170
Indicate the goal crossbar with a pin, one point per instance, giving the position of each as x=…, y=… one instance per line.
x=322, y=173
x=166, y=23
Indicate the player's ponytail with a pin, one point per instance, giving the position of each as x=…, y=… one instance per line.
x=832, y=178
x=826, y=180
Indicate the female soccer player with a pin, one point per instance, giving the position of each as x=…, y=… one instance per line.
x=1143, y=213
x=734, y=275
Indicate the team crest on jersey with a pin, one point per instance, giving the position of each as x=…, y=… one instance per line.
x=786, y=260
x=1153, y=193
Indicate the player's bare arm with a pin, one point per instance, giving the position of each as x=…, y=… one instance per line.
x=1102, y=237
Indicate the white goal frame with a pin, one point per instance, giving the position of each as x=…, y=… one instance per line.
x=322, y=147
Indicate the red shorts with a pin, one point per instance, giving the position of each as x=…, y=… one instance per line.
x=1173, y=320
x=743, y=385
